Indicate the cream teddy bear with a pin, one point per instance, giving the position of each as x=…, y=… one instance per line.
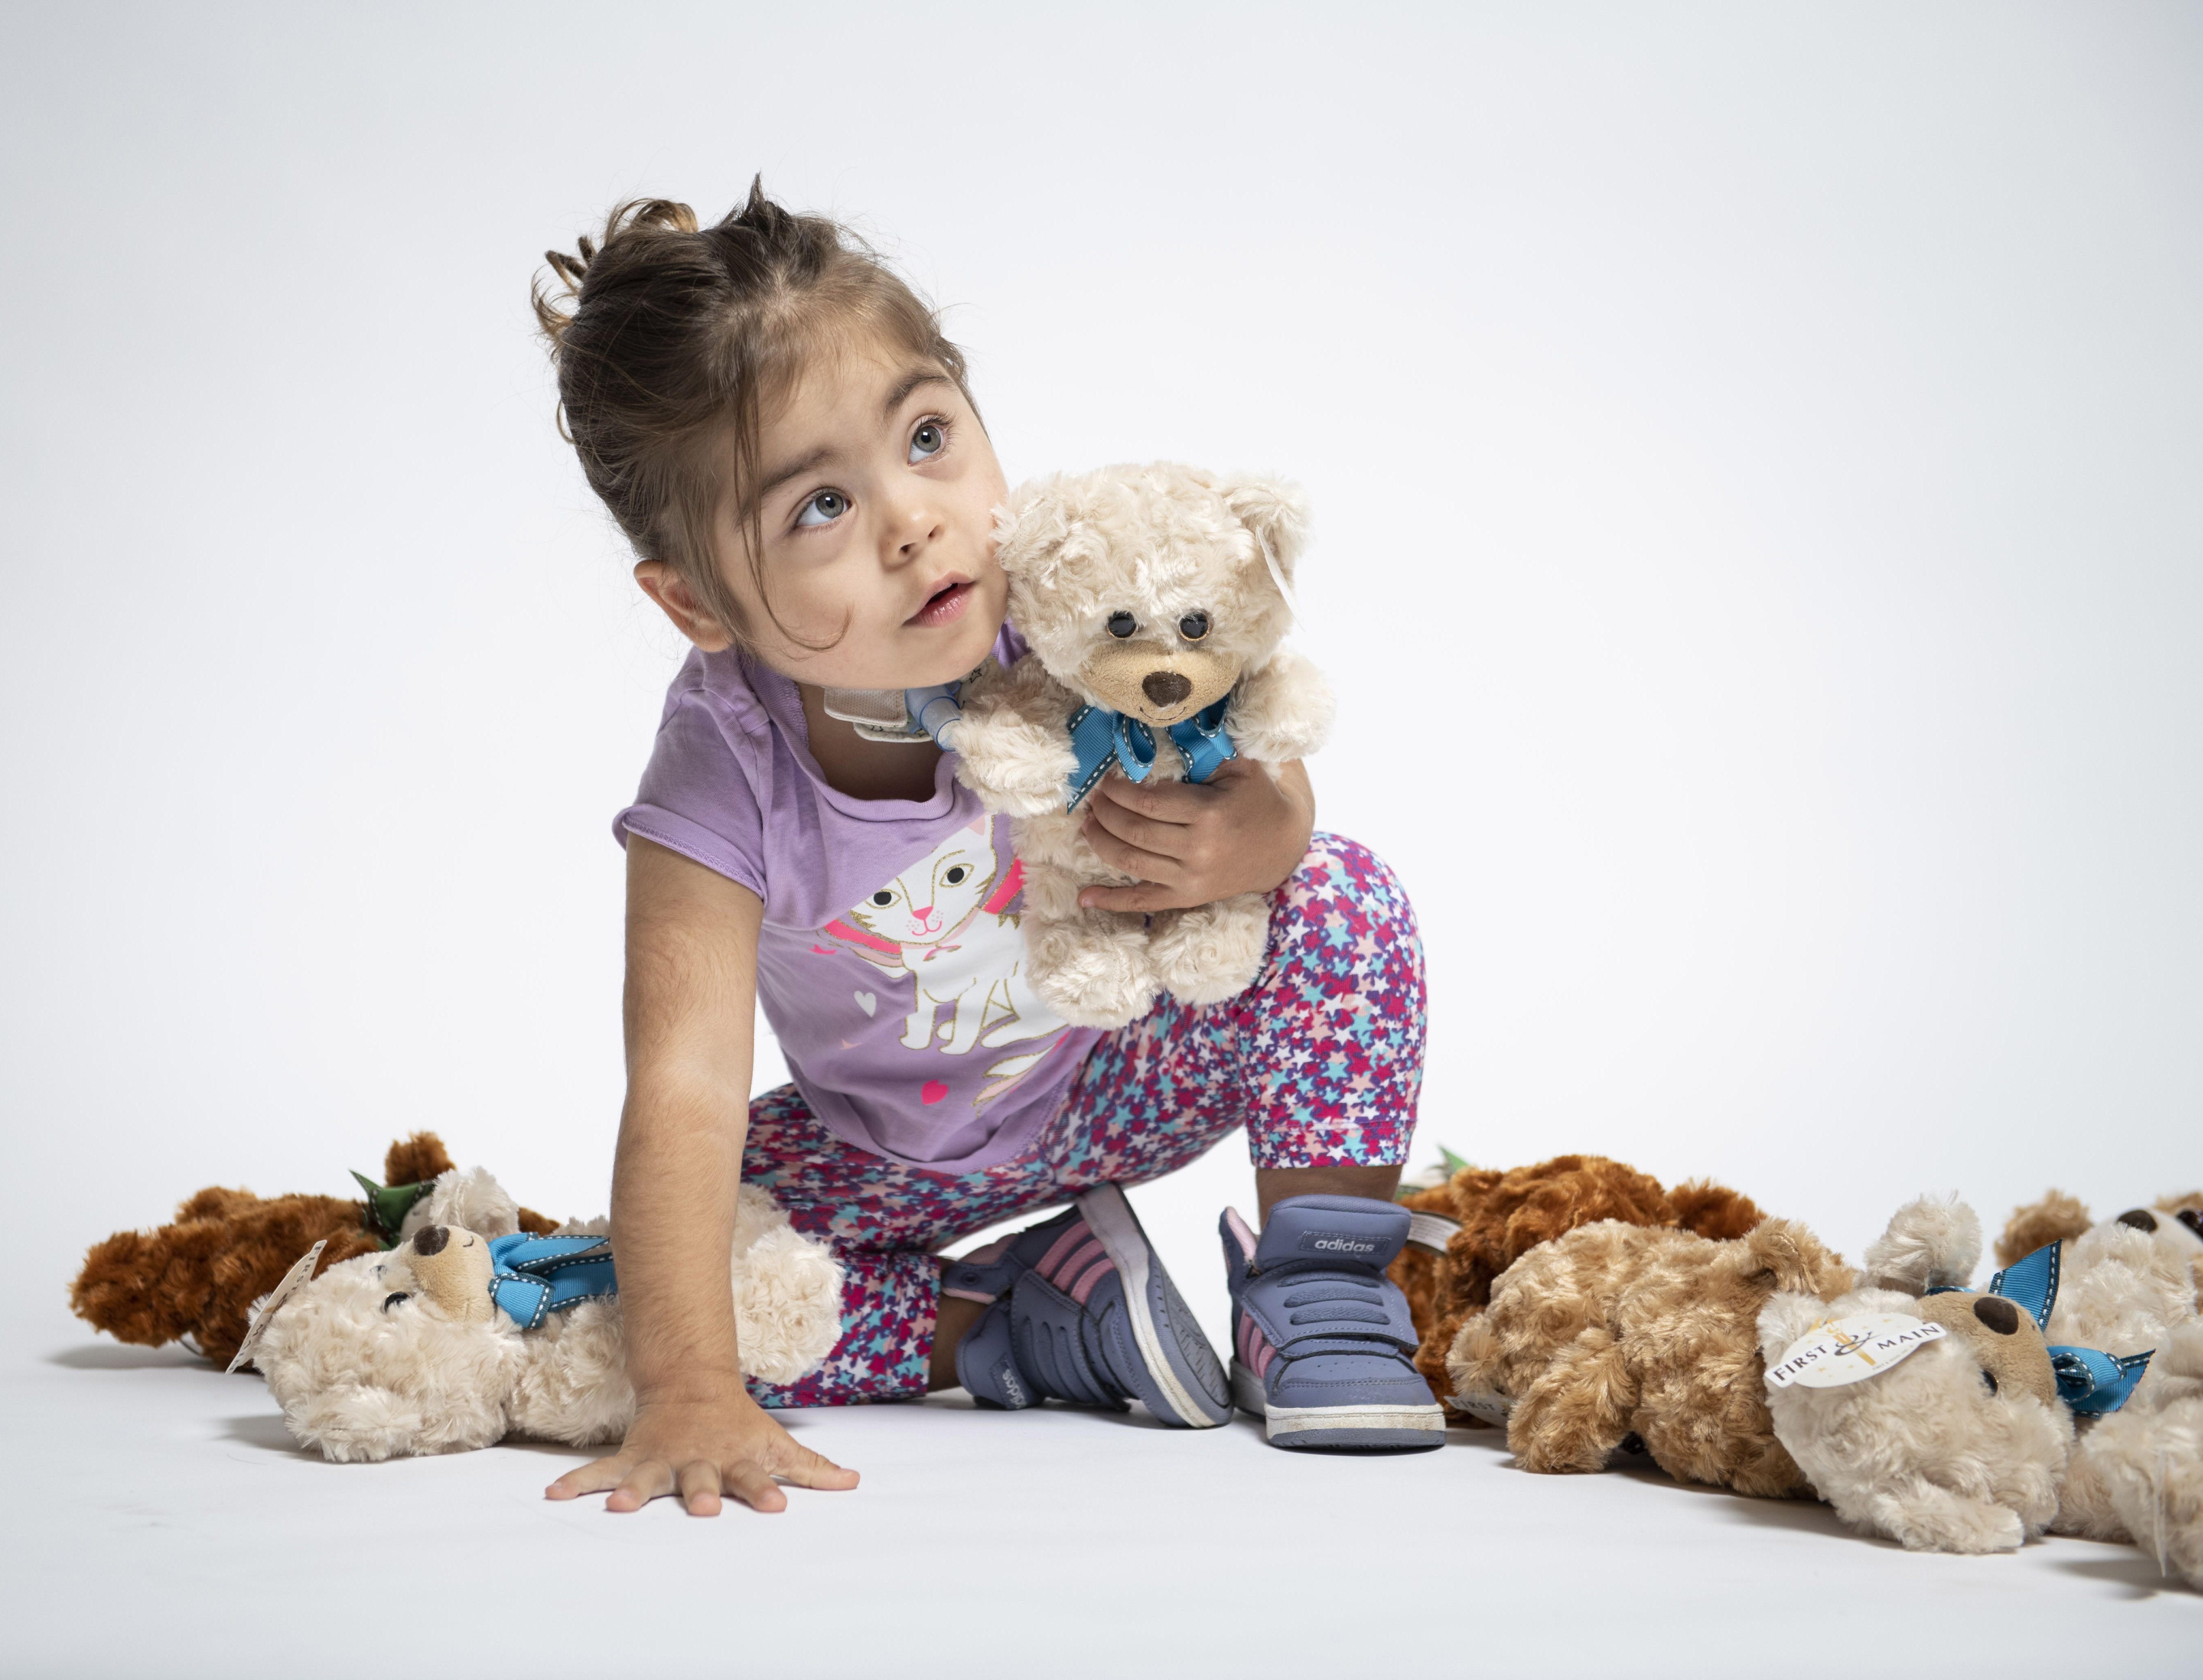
x=1154, y=600
x=1958, y=1444
x=2068, y=1396
x=471, y=1329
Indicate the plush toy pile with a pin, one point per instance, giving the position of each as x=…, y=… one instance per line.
x=2065, y=1395
x=1475, y=1223
x=195, y=1281
x=441, y=1315
x=471, y=1330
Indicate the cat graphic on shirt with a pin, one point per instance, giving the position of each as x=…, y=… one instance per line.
x=945, y=921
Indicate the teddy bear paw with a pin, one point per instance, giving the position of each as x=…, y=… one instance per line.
x=1206, y=955
x=1013, y=765
x=1089, y=980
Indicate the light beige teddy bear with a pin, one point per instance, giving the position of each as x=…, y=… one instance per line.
x=1960, y=1443
x=471, y=1329
x=1154, y=600
x=2071, y=1399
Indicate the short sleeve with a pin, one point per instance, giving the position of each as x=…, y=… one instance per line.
x=697, y=797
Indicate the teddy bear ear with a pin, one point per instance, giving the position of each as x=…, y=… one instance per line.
x=1277, y=513
x=1932, y=1242
x=1030, y=526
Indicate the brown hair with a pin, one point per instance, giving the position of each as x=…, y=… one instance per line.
x=673, y=340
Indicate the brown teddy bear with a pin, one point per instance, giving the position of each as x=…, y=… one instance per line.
x=1616, y=1330
x=195, y=1281
x=1476, y=1224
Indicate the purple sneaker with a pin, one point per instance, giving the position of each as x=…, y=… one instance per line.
x=1322, y=1342
x=1080, y=1309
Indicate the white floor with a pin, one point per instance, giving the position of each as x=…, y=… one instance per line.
x=162, y=1520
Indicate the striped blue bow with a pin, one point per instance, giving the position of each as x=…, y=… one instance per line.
x=1100, y=737
x=531, y=1276
x=2089, y=1381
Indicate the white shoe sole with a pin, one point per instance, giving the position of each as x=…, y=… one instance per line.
x=1109, y=1216
x=1337, y=1426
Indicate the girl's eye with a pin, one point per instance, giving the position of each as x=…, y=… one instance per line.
x=1194, y=626
x=928, y=441
x=824, y=509
x=389, y=1301
x=883, y=898
x=957, y=877
x=1122, y=624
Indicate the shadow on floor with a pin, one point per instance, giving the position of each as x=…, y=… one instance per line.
x=2121, y=1566
x=120, y=1356
x=264, y=1429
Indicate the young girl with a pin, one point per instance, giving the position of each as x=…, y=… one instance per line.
x=790, y=445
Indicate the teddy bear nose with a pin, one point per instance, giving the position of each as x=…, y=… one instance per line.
x=430, y=1240
x=1165, y=688
x=2139, y=1218
x=1998, y=1313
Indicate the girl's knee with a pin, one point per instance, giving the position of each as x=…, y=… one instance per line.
x=1342, y=874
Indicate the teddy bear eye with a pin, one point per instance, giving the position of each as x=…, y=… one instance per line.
x=1194, y=626
x=1122, y=624
x=389, y=1301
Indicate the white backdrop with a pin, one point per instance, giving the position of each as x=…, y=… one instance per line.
x=1755, y=457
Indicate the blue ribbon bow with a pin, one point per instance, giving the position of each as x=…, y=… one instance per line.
x=531, y=1276
x=2089, y=1381
x=1098, y=736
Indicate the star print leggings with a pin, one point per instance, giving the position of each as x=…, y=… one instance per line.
x=1320, y=1060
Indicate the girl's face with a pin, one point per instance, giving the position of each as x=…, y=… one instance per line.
x=878, y=493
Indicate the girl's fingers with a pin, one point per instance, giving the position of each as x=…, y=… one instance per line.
x=750, y=1484
x=590, y=1478
x=640, y=1485
x=1143, y=899
x=1150, y=866
x=699, y=1488
x=808, y=1469
x=1166, y=839
x=1163, y=801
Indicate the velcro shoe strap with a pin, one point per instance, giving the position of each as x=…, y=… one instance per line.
x=1298, y=1306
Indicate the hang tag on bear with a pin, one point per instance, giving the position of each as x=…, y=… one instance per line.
x=1836, y=1352
x=293, y=1280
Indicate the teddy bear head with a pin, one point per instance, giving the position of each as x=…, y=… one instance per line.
x=446, y=1269
x=1151, y=590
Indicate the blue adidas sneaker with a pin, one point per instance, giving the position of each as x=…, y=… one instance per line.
x=1080, y=1309
x=1322, y=1341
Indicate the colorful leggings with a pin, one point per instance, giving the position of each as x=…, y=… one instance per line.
x=1320, y=1060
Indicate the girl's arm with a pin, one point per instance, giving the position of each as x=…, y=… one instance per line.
x=692, y=941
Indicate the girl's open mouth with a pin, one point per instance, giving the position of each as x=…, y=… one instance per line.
x=945, y=605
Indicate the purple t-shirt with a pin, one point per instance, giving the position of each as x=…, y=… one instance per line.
x=890, y=965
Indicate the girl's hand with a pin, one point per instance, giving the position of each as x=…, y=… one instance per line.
x=1242, y=831
x=700, y=1449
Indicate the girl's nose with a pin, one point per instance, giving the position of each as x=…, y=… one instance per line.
x=916, y=526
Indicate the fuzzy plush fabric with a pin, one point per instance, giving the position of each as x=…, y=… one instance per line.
x=1152, y=549
x=195, y=1279
x=1928, y=1454
x=1504, y=1215
x=1935, y=1455
x=1615, y=1330
x=2058, y=1218
x=2137, y=1474
x=372, y=1361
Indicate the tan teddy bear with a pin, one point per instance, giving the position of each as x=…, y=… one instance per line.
x=1154, y=601
x=1469, y=1228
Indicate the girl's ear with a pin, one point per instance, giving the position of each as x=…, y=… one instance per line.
x=671, y=592
x=1275, y=511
